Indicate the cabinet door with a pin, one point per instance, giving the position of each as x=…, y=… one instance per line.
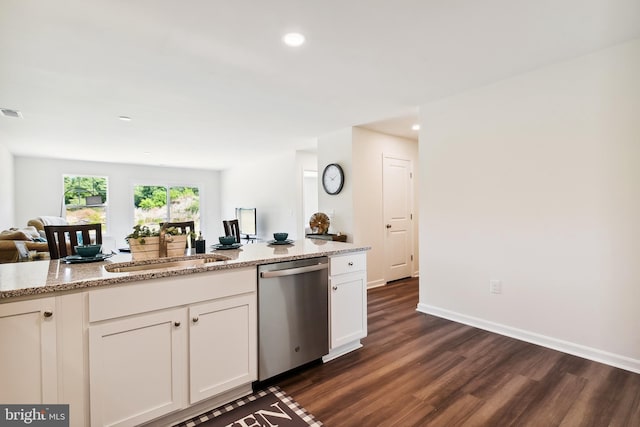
x=135, y=367
x=348, y=309
x=222, y=345
x=28, y=360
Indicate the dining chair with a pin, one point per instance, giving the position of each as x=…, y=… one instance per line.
x=232, y=228
x=185, y=227
x=57, y=235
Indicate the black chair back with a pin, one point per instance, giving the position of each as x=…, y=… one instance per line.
x=232, y=228
x=57, y=235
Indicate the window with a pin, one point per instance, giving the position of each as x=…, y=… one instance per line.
x=155, y=204
x=85, y=199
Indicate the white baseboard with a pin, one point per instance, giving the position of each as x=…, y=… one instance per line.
x=382, y=282
x=376, y=283
x=579, y=350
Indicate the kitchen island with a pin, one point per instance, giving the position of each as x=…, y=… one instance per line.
x=43, y=278
x=154, y=345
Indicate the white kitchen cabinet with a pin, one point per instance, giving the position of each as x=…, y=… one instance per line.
x=136, y=366
x=221, y=334
x=28, y=352
x=347, y=303
x=162, y=345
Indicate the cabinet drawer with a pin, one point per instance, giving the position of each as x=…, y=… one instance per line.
x=348, y=263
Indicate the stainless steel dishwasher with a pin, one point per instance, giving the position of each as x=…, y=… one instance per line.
x=293, y=319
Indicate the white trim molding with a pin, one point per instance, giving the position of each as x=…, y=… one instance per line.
x=579, y=350
x=376, y=283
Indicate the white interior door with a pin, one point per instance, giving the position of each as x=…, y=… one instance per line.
x=397, y=201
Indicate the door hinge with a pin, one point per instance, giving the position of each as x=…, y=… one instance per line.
x=410, y=174
x=411, y=257
x=410, y=216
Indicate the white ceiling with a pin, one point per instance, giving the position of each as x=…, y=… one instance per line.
x=208, y=81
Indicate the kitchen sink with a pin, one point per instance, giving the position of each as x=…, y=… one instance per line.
x=127, y=267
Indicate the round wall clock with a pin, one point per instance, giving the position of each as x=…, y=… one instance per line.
x=333, y=178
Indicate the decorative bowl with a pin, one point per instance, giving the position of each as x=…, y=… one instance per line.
x=280, y=236
x=227, y=240
x=88, y=250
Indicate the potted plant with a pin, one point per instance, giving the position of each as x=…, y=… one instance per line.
x=145, y=242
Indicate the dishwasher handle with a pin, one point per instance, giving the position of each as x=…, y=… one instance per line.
x=292, y=271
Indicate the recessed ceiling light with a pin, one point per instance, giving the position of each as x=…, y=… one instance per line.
x=293, y=39
x=8, y=112
x=125, y=118
x=415, y=127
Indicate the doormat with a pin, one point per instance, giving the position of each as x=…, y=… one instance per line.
x=266, y=407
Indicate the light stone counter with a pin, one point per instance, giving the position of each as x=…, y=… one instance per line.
x=46, y=278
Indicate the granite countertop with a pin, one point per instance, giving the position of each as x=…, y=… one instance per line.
x=50, y=277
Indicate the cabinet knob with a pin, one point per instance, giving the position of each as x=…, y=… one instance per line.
x=47, y=313
x=388, y=225
x=195, y=319
x=176, y=323
x=350, y=263
x=335, y=288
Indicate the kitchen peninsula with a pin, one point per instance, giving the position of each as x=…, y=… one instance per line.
x=154, y=345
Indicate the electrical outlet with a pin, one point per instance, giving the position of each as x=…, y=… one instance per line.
x=495, y=286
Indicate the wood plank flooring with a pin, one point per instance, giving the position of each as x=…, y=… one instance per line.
x=420, y=370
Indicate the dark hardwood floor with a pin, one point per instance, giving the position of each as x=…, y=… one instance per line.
x=421, y=370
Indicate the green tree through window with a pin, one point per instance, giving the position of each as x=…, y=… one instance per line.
x=155, y=204
x=85, y=199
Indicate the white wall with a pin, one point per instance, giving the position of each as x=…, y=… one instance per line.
x=358, y=209
x=272, y=185
x=6, y=190
x=369, y=148
x=535, y=181
x=38, y=190
x=306, y=161
x=337, y=148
